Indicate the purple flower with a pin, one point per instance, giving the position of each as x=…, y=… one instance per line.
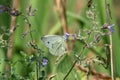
x=111, y=28
x=1, y=9
x=66, y=36
x=44, y=62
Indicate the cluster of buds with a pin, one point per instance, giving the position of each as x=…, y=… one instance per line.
x=9, y=10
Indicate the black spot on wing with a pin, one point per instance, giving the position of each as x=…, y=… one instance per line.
x=48, y=42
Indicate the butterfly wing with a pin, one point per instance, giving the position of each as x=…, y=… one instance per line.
x=55, y=43
x=59, y=48
x=49, y=40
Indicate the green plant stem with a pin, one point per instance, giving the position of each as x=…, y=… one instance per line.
x=70, y=70
x=37, y=71
x=112, y=58
x=74, y=63
x=108, y=17
x=81, y=52
x=29, y=25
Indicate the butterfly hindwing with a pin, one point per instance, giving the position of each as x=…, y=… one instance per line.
x=55, y=43
x=59, y=48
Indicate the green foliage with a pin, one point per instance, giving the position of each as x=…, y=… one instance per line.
x=28, y=52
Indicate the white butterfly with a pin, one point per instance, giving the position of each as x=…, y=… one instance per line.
x=56, y=44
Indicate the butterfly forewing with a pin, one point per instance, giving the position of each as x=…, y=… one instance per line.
x=50, y=39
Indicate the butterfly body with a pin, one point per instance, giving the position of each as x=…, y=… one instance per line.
x=55, y=43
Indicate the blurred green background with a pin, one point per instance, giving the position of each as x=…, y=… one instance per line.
x=46, y=22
